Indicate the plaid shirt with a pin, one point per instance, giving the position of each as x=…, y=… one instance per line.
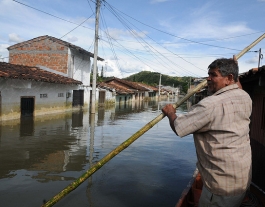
x=220, y=126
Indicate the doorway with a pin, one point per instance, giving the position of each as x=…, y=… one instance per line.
x=78, y=97
x=27, y=106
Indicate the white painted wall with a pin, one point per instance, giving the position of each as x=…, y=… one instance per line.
x=12, y=90
x=79, y=66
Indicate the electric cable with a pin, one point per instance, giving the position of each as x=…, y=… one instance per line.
x=170, y=33
x=135, y=35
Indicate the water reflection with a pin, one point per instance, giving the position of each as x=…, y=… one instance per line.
x=26, y=126
x=77, y=119
x=91, y=148
x=40, y=156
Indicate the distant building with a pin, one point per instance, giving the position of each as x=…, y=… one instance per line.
x=169, y=90
x=124, y=91
x=60, y=57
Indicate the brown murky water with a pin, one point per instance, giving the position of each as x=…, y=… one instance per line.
x=39, y=157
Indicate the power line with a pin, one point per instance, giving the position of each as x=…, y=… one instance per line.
x=50, y=14
x=141, y=23
x=172, y=52
x=173, y=34
x=77, y=26
x=110, y=43
x=136, y=36
x=25, y=52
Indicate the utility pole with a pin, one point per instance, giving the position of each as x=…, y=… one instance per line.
x=260, y=56
x=93, y=98
x=159, y=86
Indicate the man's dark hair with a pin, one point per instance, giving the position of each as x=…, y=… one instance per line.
x=226, y=67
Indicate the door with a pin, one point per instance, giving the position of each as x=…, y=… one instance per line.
x=27, y=106
x=78, y=98
x=102, y=96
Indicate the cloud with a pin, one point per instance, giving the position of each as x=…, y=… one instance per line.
x=252, y=60
x=111, y=69
x=120, y=33
x=205, y=22
x=72, y=39
x=4, y=52
x=3, y=47
x=13, y=37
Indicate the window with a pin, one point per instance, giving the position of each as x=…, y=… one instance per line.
x=60, y=94
x=45, y=95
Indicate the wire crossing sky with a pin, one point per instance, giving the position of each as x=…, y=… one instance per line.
x=172, y=37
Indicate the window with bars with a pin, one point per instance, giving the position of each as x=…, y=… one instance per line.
x=60, y=94
x=44, y=95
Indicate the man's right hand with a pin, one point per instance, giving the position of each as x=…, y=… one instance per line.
x=168, y=109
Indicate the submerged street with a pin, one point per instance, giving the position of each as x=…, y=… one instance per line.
x=39, y=157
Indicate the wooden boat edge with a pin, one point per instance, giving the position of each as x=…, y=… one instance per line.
x=186, y=198
x=184, y=194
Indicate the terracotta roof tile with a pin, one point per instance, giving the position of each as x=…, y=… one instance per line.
x=22, y=72
x=125, y=87
x=151, y=88
x=120, y=89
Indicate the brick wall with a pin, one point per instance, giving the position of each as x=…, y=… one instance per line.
x=42, y=52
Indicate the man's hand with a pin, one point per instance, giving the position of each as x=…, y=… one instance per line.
x=169, y=109
x=170, y=112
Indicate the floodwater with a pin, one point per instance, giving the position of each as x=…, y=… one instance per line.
x=40, y=157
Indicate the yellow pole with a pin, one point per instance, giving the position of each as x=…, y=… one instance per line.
x=130, y=140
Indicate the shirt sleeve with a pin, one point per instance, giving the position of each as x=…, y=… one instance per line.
x=196, y=120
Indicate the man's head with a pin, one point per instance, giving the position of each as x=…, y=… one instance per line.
x=222, y=72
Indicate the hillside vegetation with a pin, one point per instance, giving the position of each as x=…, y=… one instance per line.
x=152, y=78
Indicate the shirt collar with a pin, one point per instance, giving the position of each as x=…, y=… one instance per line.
x=227, y=88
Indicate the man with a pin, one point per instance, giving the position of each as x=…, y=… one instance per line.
x=220, y=127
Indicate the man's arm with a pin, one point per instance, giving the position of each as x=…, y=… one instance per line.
x=170, y=112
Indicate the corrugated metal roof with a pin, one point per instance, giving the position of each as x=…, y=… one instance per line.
x=59, y=41
x=12, y=71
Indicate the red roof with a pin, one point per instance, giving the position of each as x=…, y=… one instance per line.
x=22, y=72
x=125, y=87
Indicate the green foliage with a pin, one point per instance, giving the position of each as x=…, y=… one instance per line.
x=152, y=78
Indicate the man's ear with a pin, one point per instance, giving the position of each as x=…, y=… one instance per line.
x=230, y=79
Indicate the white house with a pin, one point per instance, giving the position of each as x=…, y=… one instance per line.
x=31, y=91
x=57, y=56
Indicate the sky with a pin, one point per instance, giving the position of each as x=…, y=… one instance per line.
x=171, y=37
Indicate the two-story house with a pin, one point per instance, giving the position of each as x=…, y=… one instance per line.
x=60, y=57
